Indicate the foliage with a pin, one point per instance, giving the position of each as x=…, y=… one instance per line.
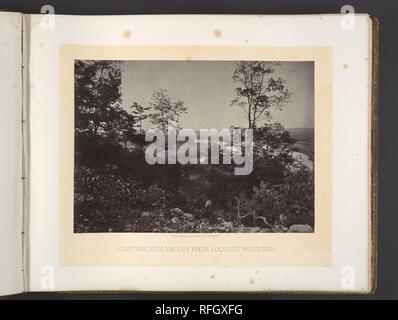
x=165, y=110
x=257, y=91
x=293, y=199
x=97, y=96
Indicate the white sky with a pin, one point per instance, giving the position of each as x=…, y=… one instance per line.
x=207, y=89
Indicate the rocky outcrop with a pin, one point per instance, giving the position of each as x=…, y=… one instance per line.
x=176, y=220
x=300, y=228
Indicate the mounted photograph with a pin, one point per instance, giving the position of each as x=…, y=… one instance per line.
x=193, y=146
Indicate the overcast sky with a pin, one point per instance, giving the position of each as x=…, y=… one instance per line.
x=207, y=89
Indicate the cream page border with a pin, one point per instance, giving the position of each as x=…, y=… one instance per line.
x=225, y=250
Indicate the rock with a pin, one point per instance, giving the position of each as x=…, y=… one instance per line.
x=265, y=230
x=174, y=220
x=283, y=228
x=176, y=211
x=300, y=228
x=146, y=214
x=279, y=229
x=227, y=224
x=249, y=229
x=189, y=216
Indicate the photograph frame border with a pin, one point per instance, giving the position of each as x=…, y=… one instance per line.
x=314, y=249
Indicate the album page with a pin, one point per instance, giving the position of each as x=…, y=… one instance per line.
x=11, y=273
x=200, y=153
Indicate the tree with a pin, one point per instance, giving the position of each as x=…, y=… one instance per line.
x=97, y=96
x=123, y=127
x=139, y=114
x=99, y=113
x=164, y=110
x=257, y=91
x=272, y=153
x=127, y=126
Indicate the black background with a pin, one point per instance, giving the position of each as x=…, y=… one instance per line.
x=387, y=13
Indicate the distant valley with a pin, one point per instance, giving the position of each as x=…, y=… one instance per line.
x=305, y=140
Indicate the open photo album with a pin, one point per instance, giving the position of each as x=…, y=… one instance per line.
x=188, y=153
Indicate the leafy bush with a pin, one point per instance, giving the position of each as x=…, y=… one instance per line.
x=291, y=202
x=103, y=198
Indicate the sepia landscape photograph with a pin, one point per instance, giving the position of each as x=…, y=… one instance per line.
x=143, y=163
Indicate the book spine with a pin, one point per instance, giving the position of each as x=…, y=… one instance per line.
x=374, y=152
